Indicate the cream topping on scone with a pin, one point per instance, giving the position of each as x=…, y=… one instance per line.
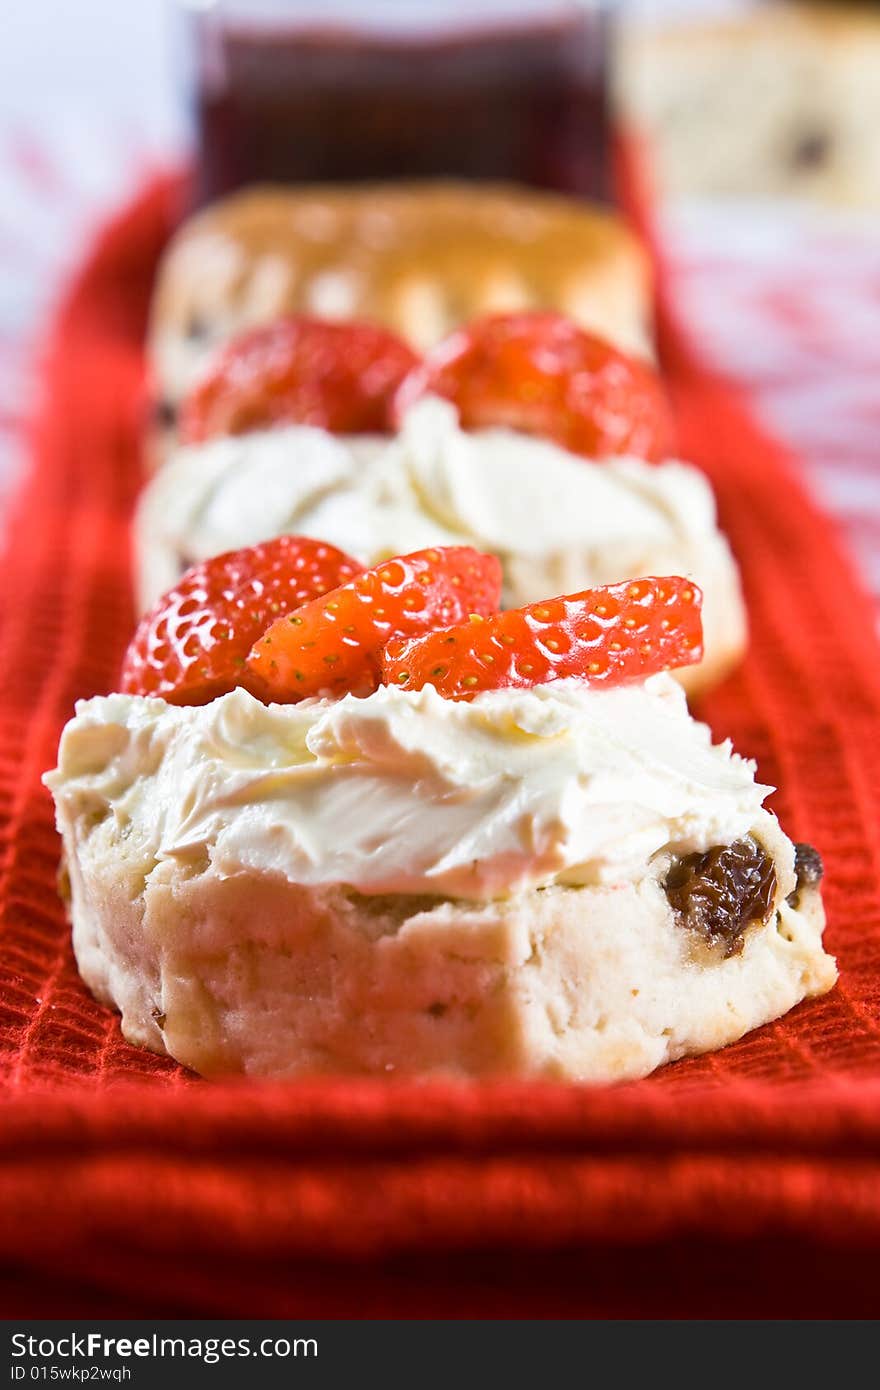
x=413, y=794
x=557, y=522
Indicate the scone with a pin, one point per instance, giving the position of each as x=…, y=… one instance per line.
x=417, y=258
x=780, y=100
x=566, y=499
x=513, y=851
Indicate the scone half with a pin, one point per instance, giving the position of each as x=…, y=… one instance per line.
x=555, y=883
x=419, y=258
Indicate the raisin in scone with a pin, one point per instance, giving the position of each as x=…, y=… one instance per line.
x=498, y=846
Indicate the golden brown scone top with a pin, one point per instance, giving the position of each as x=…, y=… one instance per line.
x=419, y=258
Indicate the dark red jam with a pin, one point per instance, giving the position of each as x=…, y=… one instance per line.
x=722, y=892
x=523, y=97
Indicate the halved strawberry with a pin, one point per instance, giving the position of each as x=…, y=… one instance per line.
x=192, y=646
x=338, y=376
x=333, y=645
x=606, y=636
x=542, y=374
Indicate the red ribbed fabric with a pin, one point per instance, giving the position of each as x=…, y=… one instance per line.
x=743, y=1183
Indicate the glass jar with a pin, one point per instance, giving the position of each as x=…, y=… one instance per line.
x=299, y=91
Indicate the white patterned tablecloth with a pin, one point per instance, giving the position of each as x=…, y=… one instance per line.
x=786, y=301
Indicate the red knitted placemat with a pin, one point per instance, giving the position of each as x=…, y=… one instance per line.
x=149, y=1189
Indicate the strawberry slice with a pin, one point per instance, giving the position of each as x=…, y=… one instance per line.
x=604, y=636
x=192, y=646
x=333, y=645
x=542, y=374
x=297, y=370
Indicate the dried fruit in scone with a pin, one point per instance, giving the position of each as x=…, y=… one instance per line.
x=540, y=373
x=333, y=644
x=720, y=892
x=339, y=377
x=602, y=636
x=192, y=646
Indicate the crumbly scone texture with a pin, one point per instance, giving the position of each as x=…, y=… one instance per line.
x=418, y=258
x=254, y=974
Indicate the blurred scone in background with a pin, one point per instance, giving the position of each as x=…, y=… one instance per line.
x=764, y=99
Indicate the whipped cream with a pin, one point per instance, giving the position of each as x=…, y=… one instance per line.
x=558, y=522
x=405, y=792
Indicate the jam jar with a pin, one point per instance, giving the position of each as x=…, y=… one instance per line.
x=290, y=91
